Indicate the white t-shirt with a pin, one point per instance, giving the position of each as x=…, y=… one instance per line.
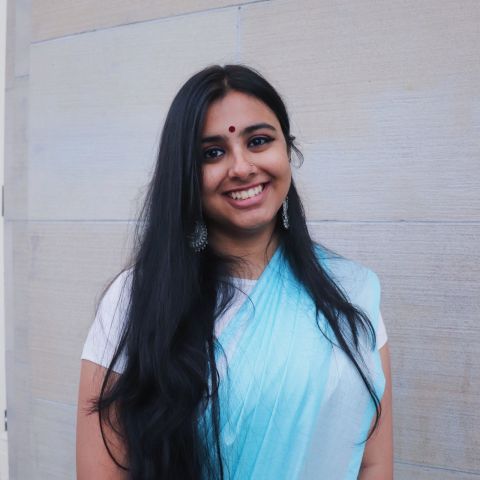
x=106, y=329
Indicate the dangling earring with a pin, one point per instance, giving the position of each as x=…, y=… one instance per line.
x=286, y=224
x=198, y=239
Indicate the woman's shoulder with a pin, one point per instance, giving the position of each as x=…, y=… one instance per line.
x=118, y=291
x=114, y=304
x=359, y=283
x=107, y=327
x=354, y=278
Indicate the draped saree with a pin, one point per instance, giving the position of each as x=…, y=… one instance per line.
x=292, y=405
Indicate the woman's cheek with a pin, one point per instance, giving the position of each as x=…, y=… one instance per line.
x=211, y=180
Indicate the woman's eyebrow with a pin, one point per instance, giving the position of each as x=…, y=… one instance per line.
x=245, y=131
x=257, y=126
x=213, y=139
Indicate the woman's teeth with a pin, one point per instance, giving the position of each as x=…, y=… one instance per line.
x=244, y=194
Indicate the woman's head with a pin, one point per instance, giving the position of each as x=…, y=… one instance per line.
x=209, y=150
x=246, y=170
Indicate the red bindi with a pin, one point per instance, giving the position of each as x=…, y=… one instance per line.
x=231, y=128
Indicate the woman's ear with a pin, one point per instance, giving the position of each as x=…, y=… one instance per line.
x=290, y=140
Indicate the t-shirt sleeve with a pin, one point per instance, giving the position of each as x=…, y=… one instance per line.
x=381, y=332
x=106, y=329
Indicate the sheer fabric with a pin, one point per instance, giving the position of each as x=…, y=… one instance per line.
x=292, y=404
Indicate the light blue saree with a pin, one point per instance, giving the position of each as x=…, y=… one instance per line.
x=292, y=405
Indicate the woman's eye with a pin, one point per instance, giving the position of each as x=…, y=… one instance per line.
x=212, y=153
x=258, y=141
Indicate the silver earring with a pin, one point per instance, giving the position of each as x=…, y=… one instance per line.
x=286, y=223
x=198, y=239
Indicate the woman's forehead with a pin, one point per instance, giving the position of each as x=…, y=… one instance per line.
x=236, y=110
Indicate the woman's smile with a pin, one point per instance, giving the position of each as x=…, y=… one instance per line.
x=248, y=197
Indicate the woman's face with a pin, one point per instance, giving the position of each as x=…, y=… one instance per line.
x=246, y=169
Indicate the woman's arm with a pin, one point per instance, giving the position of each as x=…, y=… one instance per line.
x=377, y=462
x=93, y=460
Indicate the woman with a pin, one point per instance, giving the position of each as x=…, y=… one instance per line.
x=234, y=347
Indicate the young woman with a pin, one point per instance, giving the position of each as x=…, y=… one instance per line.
x=234, y=347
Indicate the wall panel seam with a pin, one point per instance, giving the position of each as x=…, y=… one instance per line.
x=238, y=39
x=436, y=467
x=61, y=221
x=312, y=222
x=54, y=402
x=399, y=222
x=17, y=77
x=146, y=21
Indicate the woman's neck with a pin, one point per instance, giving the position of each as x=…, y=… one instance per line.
x=255, y=250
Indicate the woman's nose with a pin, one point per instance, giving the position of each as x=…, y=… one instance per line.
x=241, y=165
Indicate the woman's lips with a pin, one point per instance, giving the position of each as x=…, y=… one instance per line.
x=249, y=202
x=245, y=188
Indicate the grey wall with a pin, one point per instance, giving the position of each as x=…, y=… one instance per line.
x=385, y=102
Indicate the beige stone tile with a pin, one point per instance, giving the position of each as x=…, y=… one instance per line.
x=10, y=46
x=55, y=273
x=384, y=101
x=53, y=431
x=19, y=404
x=97, y=104
x=16, y=150
x=60, y=272
x=20, y=27
x=56, y=18
x=4, y=455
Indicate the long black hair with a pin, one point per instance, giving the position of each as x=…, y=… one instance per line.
x=156, y=404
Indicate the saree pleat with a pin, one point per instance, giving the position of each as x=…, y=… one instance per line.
x=292, y=405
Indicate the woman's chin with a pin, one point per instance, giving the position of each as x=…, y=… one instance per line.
x=251, y=228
